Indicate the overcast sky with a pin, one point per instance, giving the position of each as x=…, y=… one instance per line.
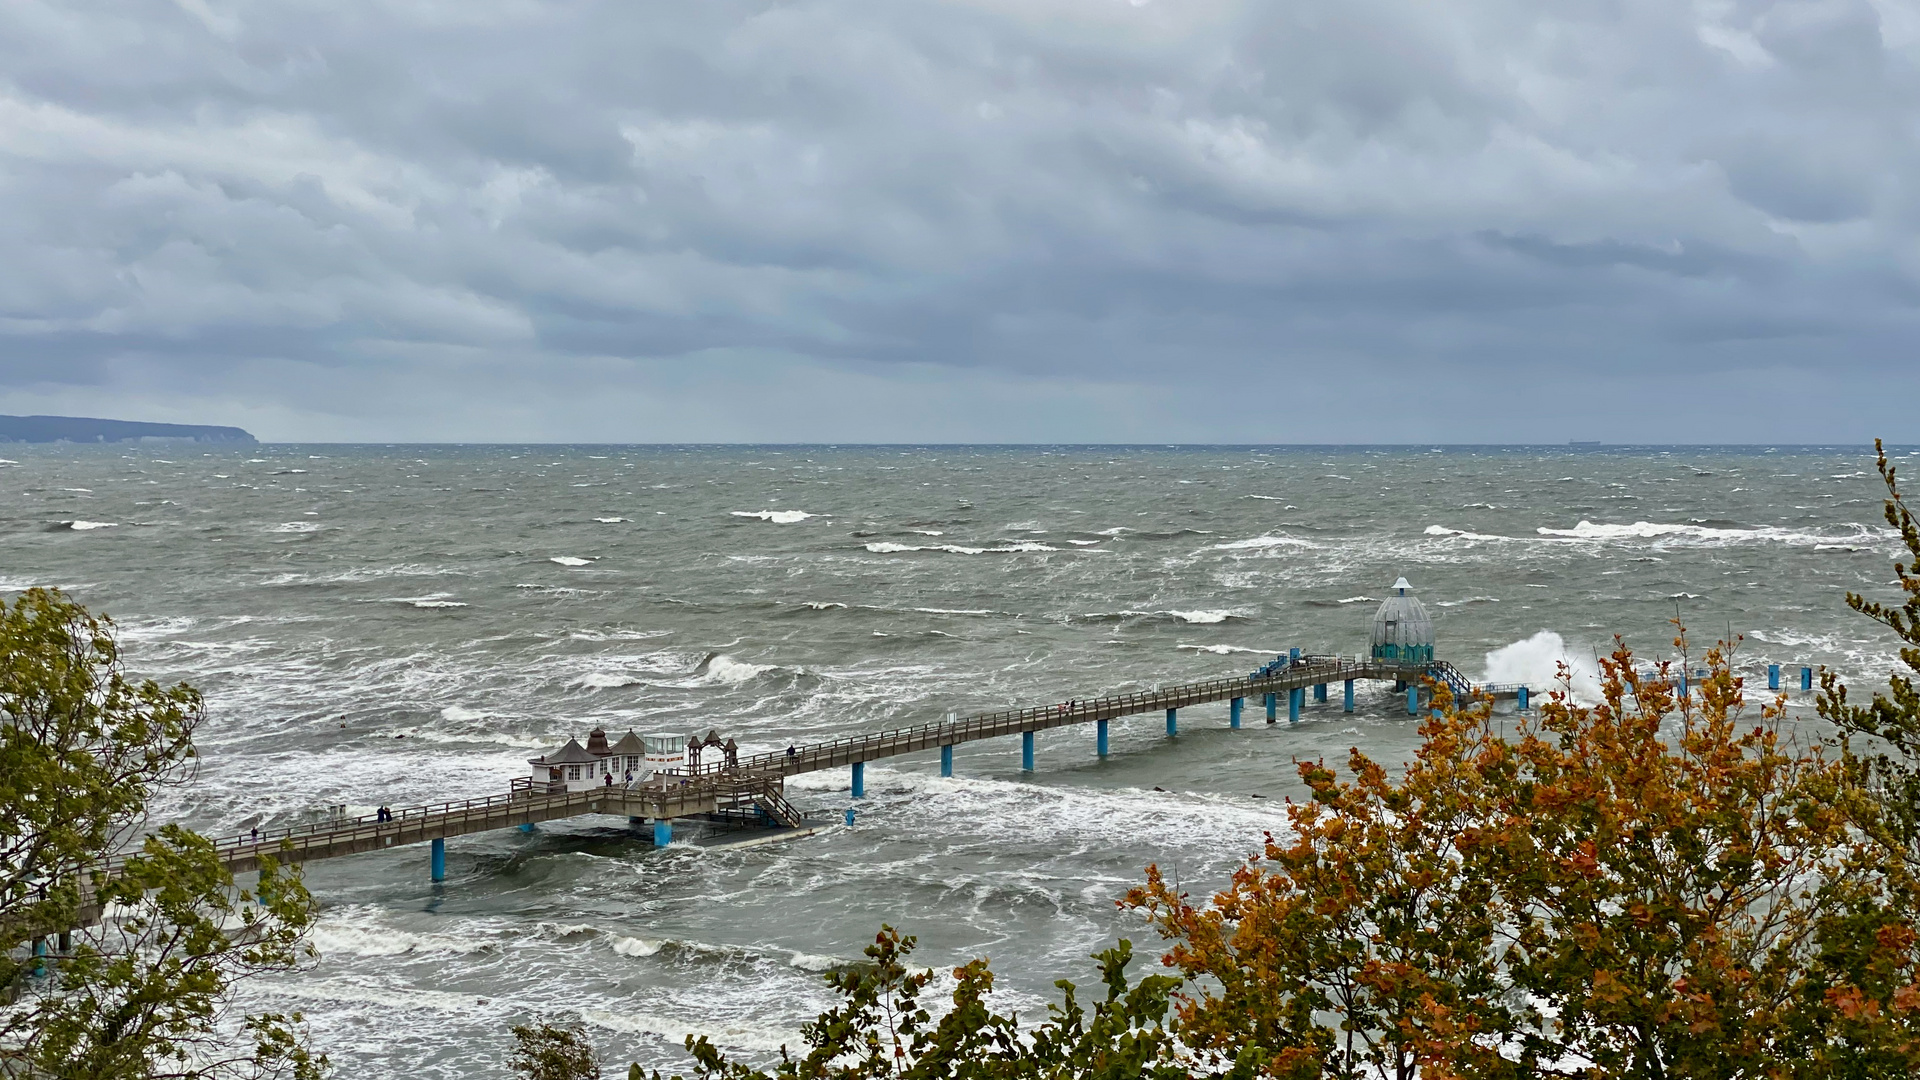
x=1013, y=220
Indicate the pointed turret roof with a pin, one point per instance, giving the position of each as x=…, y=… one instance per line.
x=570, y=754
x=629, y=744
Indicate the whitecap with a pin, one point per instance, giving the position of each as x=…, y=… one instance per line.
x=632, y=946
x=1207, y=616
x=1083, y=543
x=725, y=669
x=459, y=715
x=611, y=520
x=1467, y=600
x=88, y=526
x=815, y=962
x=1224, y=650
x=778, y=517
x=1534, y=663
x=1356, y=600
x=569, y=560
x=295, y=527
x=1442, y=530
x=604, y=680
x=1260, y=542
x=822, y=605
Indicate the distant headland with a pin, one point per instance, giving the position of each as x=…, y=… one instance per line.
x=86, y=429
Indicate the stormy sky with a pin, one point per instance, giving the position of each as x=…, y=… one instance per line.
x=1009, y=220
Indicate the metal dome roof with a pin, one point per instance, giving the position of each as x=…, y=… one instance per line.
x=1402, y=629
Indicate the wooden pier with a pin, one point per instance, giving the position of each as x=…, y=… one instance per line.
x=752, y=788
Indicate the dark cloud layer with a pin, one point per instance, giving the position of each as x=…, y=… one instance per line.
x=1138, y=220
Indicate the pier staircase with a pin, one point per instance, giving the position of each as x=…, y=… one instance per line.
x=755, y=801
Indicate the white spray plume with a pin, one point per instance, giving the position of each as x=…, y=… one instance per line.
x=1534, y=663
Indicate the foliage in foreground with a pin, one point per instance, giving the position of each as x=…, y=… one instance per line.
x=1649, y=886
x=146, y=993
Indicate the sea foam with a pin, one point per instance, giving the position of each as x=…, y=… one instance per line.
x=777, y=517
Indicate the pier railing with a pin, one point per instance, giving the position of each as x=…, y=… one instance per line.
x=1299, y=672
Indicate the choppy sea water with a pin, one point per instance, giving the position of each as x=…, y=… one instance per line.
x=409, y=624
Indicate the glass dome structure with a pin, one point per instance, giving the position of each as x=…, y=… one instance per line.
x=1402, y=629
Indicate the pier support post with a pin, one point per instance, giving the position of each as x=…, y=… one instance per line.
x=1320, y=691
x=1806, y=678
x=1773, y=676
x=1026, y=751
x=662, y=832
x=1413, y=700
x=946, y=760
x=39, y=956
x=859, y=779
x=526, y=826
x=1522, y=695
x=1173, y=721
x=1349, y=705
x=439, y=858
x=1294, y=697
x=1233, y=712
x=1685, y=687
x=1100, y=737
x=1273, y=707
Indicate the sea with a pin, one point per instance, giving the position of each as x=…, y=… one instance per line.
x=399, y=625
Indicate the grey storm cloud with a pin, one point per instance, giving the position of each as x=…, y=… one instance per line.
x=1318, y=220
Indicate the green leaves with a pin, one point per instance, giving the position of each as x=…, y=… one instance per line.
x=157, y=945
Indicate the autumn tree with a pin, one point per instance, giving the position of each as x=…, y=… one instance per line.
x=122, y=973
x=1629, y=888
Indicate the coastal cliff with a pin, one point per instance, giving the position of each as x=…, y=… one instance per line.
x=46, y=429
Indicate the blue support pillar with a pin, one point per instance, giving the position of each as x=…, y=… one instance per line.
x=1773, y=676
x=1413, y=700
x=526, y=826
x=849, y=815
x=40, y=956
x=1349, y=705
x=1806, y=678
x=1100, y=737
x=946, y=760
x=1294, y=697
x=1522, y=695
x=1686, y=690
x=662, y=832
x=1233, y=712
x=1026, y=751
x=439, y=858
x=859, y=779
x=1173, y=721
x=1293, y=654
x=1273, y=707
x=1320, y=691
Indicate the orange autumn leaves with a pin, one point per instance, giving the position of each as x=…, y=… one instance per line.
x=1644, y=886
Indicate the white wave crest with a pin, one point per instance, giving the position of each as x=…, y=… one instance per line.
x=569, y=560
x=1534, y=663
x=1261, y=542
x=778, y=517
x=1442, y=530
x=1356, y=600
x=633, y=946
x=725, y=669
x=605, y=680
x=1225, y=650
x=1207, y=617
x=611, y=520
x=88, y=526
x=296, y=527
